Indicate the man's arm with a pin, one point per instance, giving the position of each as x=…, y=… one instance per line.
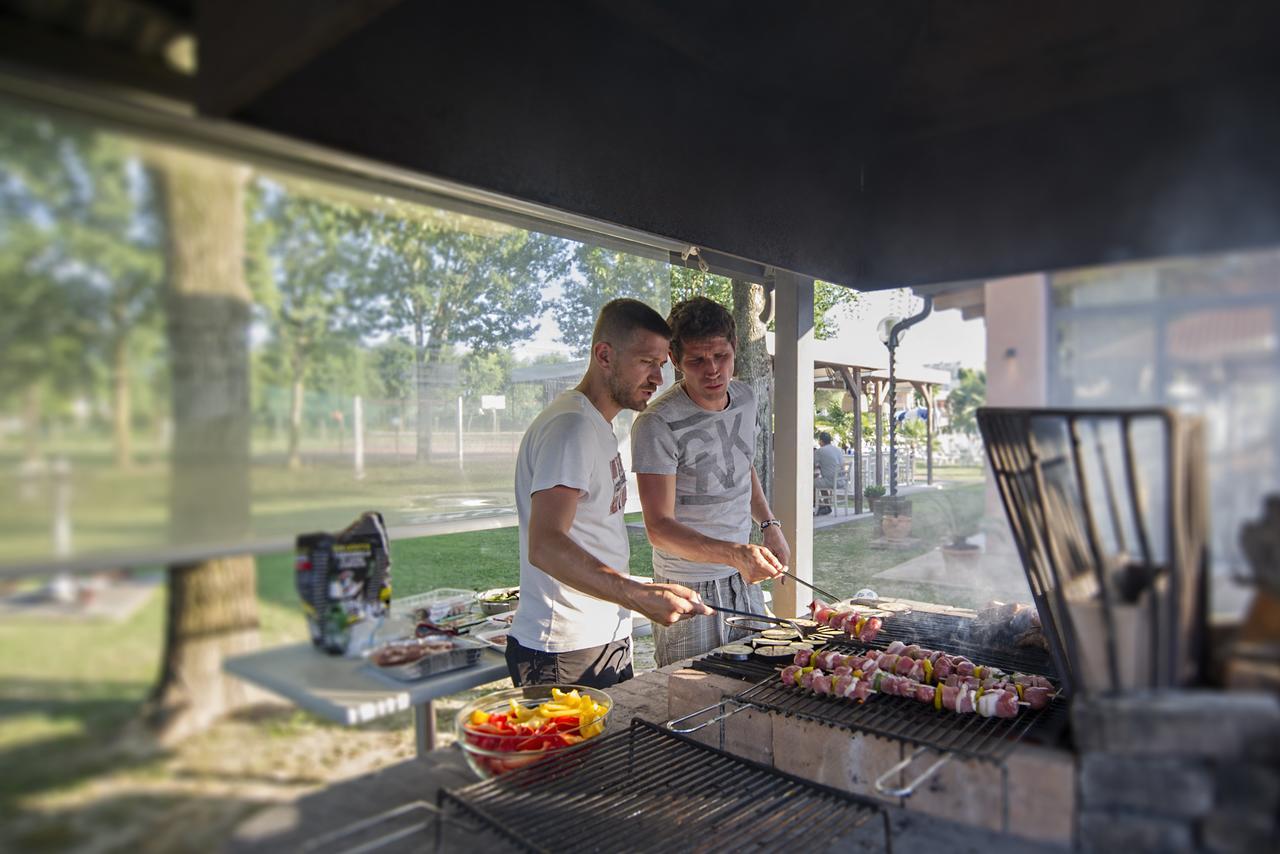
x=658, y=499
x=774, y=540
x=553, y=551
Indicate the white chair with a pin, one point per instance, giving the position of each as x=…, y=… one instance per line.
x=823, y=496
x=843, y=492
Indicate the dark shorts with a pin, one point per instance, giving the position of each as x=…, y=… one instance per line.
x=597, y=667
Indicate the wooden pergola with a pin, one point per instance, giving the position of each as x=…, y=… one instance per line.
x=860, y=368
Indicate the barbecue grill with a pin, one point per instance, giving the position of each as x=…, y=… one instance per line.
x=937, y=733
x=948, y=632
x=903, y=718
x=648, y=789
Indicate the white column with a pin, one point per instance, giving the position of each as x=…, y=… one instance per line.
x=357, y=430
x=793, y=439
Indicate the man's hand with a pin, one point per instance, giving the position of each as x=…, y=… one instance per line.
x=775, y=542
x=756, y=563
x=667, y=604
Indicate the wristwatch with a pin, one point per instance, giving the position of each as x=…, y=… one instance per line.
x=767, y=523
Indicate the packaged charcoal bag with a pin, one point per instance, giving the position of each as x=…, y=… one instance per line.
x=344, y=580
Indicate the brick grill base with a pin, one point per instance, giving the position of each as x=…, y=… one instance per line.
x=1179, y=771
x=1041, y=782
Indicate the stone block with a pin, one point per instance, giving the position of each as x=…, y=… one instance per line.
x=1236, y=832
x=749, y=734
x=832, y=756
x=1209, y=724
x=1110, y=831
x=1161, y=786
x=691, y=690
x=965, y=791
x=1247, y=787
x=1042, y=794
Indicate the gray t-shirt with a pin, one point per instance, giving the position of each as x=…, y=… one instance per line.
x=710, y=453
x=829, y=460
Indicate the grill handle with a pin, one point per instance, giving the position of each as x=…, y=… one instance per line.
x=672, y=724
x=909, y=789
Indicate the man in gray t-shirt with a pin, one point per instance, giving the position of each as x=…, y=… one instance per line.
x=829, y=461
x=692, y=451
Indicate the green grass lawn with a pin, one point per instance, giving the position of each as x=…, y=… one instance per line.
x=844, y=560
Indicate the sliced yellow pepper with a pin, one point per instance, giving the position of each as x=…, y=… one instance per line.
x=479, y=717
x=937, y=697
x=928, y=670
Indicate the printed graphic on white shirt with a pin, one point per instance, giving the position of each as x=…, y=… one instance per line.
x=619, y=473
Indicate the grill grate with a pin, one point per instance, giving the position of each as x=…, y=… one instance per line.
x=903, y=718
x=933, y=631
x=647, y=789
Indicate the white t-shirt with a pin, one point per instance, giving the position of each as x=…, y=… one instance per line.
x=570, y=444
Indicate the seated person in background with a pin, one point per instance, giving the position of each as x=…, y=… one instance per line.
x=829, y=461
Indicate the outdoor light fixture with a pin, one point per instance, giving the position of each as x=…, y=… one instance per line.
x=885, y=326
x=890, y=331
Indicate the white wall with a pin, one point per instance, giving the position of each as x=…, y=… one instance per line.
x=1017, y=311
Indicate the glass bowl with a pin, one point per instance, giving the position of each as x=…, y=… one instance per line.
x=499, y=600
x=490, y=753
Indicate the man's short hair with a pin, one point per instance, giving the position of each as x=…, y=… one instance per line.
x=621, y=318
x=697, y=319
x=824, y=437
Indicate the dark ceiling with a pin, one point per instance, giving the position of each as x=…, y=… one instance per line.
x=875, y=144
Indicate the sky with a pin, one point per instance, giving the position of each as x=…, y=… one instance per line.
x=941, y=337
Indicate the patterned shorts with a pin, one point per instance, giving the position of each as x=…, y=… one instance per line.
x=699, y=635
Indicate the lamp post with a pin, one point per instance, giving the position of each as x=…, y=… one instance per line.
x=890, y=331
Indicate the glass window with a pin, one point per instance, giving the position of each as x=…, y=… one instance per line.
x=200, y=354
x=1200, y=335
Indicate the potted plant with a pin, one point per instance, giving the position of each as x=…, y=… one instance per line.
x=958, y=554
x=894, y=515
x=873, y=493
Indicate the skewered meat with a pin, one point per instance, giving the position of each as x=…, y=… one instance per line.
x=847, y=620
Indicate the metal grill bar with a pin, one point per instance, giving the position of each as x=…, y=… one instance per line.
x=647, y=789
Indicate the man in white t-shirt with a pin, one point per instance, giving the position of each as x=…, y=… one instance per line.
x=693, y=451
x=573, y=624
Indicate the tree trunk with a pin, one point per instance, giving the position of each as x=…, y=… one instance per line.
x=121, y=404
x=295, y=414
x=212, y=604
x=31, y=424
x=753, y=367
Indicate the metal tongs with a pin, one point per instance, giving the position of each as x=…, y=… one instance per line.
x=803, y=631
x=815, y=588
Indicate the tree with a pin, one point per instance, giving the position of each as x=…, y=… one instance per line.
x=82, y=260
x=393, y=368
x=831, y=417
x=112, y=244
x=319, y=259
x=964, y=400
x=212, y=604
x=446, y=280
x=603, y=275
x=753, y=366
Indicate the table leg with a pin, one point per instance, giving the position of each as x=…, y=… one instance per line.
x=424, y=727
